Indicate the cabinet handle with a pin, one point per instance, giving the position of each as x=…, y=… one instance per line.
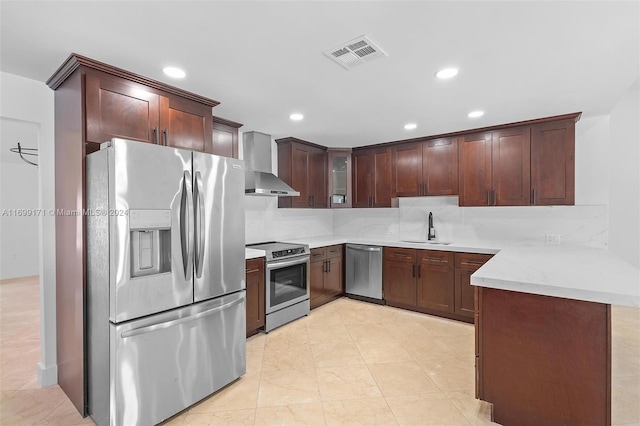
x=413, y=270
x=328, y=266
x=424, y=189
x=472, y=262
x=330, y=203
x=165, y=133
x=400, y=255
x=438, y=259
x=155, y=135
x=250, y=271
x=534, y=197
x=488, y=198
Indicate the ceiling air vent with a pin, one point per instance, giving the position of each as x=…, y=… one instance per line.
x=355, y=52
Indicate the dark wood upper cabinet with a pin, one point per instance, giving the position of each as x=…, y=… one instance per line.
x=495, y=168
x=428, y=167
x=372, y=177
x=120, y=108
x=115, y=109
x=553, y=163
x=225, y=137
x=303, y=166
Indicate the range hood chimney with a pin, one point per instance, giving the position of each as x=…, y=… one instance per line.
x=259, y=180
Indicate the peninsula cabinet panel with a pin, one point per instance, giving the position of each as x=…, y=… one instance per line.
x=372, y=177
x=553, y=163
x=544, y=360
x=466, y=264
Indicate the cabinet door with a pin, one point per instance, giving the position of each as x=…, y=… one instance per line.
x=333, y=280
x=361, y=178
x=115, y=109
x=317, y=179
x=186, y=124
x=300, y=175
x=255, y=294
x=407, y=170
x=553, y=163
x=464, y=293
x=440, y=167
x=435, y=287
x=316, y=286
x=399, y=282
x=511, y=167
x=224, y=140
x=381, y=181
x=475, y=169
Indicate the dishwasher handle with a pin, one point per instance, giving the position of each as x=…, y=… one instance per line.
x=364, y=248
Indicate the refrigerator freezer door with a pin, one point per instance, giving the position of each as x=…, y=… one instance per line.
x=162, y=364
x=218, y=186
x=151, y=217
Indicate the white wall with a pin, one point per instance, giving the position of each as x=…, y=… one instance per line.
x=32, y=101
x=19, y=234
x=592, y=161
x=624, y=178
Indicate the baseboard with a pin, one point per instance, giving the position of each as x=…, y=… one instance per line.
x=47, y=376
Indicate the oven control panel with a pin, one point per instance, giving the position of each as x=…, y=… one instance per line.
x=288, y=252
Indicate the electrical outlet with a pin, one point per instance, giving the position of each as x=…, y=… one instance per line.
x=552, y=238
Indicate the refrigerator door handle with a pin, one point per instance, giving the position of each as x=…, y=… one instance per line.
x=186, y=231
x=198, y=228
x=178, y=321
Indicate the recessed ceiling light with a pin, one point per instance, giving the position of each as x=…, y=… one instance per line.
x=174, y=72
x=447, y=73
x=410, y=126
x=475, y=114
x=296, y=116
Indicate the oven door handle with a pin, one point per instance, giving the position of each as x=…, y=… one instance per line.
x=290, y=262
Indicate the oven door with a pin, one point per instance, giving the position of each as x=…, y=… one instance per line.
x=287, y=283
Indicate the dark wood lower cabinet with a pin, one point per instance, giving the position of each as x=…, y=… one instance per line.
x=543, y=360
x=255, y=295
x=431, y=281
x=326, y=275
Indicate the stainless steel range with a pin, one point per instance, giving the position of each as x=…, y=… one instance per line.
x=286, y=281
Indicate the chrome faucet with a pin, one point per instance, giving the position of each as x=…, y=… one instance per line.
x=431, y=235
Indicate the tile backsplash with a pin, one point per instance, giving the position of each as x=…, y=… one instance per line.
x=585, y=225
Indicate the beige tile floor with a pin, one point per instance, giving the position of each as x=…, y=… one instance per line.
x=348, y=363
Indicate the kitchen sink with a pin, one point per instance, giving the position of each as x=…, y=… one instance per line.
x=441, y=243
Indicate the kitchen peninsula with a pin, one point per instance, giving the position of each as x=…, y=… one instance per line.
x=543, y=326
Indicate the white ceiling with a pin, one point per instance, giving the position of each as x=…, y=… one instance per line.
x=263, y=60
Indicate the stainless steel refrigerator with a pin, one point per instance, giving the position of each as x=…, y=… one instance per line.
x=165, y=280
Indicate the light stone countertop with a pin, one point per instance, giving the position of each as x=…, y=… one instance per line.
x=568, y=271
x=250, y=253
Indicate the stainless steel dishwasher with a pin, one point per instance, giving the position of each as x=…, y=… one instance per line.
x=364, y=272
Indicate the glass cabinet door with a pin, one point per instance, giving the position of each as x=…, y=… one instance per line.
x=339, y=178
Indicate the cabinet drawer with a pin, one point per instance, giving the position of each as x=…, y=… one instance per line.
x=400, y=254
x=255, y=267
x=318, y=254
x=334, y=251
x=471, y=261
x=434, y=257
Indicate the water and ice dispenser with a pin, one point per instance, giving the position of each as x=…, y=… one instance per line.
x=150, y=239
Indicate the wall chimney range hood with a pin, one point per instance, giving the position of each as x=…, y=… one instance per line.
x=259, y=180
